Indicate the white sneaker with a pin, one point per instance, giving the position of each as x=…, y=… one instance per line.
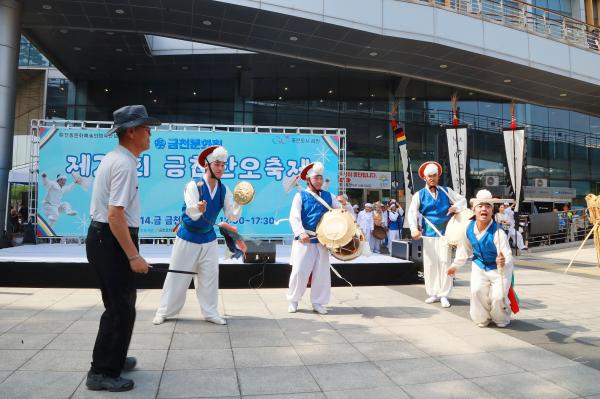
x=445, y=302
x=482, y=325
x=217, y=320
x=502, y=325
x=158, y=320
x=432, y=299
x=319, y=309
x=72, y=213
x=293, y=308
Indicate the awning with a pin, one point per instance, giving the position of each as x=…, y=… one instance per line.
x=19, y=175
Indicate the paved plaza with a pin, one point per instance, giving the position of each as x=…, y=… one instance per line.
x=377, y=342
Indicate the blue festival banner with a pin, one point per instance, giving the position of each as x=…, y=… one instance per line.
x=269, y=161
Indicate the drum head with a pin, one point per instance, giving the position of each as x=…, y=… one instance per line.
x=243, y=193
x=455, y=230
x=336, y=228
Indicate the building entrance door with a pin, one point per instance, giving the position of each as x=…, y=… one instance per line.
x=372, y=196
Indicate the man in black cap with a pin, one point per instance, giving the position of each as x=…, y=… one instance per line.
x=112, y=247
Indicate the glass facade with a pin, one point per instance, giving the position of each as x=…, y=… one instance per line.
x=560, y=6
x=562, y=146
x=29, y=55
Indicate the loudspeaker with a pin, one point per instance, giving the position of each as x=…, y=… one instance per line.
x=411, y=250
x=28, y=233
x=260, y=252
x=246, y=84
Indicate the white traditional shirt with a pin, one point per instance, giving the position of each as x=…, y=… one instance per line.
x=296, y=213
x=365, y=221
x=414, y=222
x=464, y=251
x=55, y=191
x=231, y=209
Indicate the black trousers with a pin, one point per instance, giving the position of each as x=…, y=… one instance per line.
x=117, y=284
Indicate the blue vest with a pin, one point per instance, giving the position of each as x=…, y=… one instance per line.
x=313, y=210
x=484, y=250
x=394, y=225
x=434, y=210
x=202, y=230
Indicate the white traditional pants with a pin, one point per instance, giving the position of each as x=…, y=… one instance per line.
x=191, y=257
x=307, y=259
x=393, y=235
x=374, y=243
x=512, y=233
x=368, y=237
x=52, y=211
x=436, y=260
x=488, y=302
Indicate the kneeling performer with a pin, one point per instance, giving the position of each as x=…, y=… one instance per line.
x=308, y=255
x=492, y=265
x=195, y=248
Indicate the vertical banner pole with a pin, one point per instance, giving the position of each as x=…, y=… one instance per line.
x=457, y=150
x=406, y=168
x=514, y=146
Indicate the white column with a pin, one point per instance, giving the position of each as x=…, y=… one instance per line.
x=10, y=40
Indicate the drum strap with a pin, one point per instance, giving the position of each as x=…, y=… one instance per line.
x=321, y=200
x=432, y=226
x=447, y=195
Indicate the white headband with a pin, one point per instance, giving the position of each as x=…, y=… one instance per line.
x=219, y=154
x=317, y=170
x=430, y=170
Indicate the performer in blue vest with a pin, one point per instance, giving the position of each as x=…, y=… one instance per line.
x=430, y=210
x=395, y=217
x=492, y=265
x=308, y=255
x=195, y=248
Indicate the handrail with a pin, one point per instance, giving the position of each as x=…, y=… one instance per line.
x=526, y=17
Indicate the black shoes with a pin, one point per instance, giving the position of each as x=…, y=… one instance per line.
x=99, y=382
x=130, y=363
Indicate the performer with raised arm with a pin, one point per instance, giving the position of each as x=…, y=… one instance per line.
x=492, y=265
x=195, y=248
x=394, y=217
x=308, y=255
x=53, y=205
x=435, y=204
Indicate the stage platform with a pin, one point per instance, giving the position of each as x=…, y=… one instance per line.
x=65, y=265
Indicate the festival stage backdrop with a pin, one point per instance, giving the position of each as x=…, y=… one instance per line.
x=268, y=161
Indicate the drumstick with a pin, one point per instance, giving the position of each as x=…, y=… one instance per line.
x=501, y=269
x=156, y=269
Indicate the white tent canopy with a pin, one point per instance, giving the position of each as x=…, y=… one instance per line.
x=19, y=174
